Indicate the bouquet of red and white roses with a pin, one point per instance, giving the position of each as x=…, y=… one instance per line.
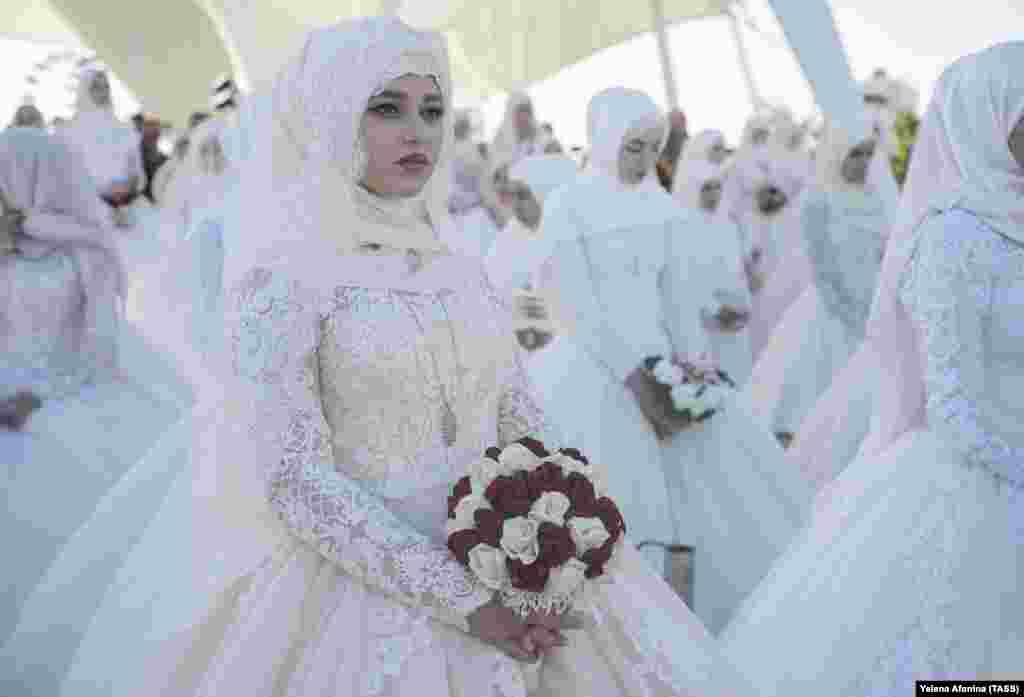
x=533, y=525
x=697, y=388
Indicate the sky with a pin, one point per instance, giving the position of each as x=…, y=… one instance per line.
x=913, y=40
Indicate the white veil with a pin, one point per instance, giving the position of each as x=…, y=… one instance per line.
x=961, y=159
x=301, y=207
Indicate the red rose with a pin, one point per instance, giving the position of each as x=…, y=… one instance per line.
x=556, y=545
x=462, y=489
x=547, y=477
x=596, y=559
x=575, y=455
x=493, y=453
x=461, y=542
x=582, y=495
x=488, y=525
x=528, y=577
x=610, y=515
x=534, y=446
x=510, y=495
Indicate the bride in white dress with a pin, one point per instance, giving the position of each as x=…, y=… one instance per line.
x=844, y=223
x=62, y=337
x=611, y=283
x=913, y=567
x=372, y=367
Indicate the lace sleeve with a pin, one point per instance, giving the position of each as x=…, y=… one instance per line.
x=947, y=288
x=276, y=350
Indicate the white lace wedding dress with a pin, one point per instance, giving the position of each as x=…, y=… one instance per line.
x=913, y=566
x=332, y=578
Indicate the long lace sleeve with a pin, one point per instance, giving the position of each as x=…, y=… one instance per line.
x=844, y=270
x=276, y=349
x=947, y=287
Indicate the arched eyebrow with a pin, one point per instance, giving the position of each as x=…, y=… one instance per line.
x=400, y=96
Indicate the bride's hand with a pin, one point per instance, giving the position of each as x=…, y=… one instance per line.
x=654, y=407
x=500, y=626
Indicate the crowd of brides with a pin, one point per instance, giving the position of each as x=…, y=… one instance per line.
x=237, y=387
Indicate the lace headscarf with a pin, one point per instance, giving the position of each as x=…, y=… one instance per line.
x=304, y=183
x=45, y=180
x=962, y=160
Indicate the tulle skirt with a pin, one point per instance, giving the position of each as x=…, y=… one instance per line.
x=602, y=419
x=910, y=569
x=60, y=466
x=831, y=435
x=807, y=349
x=292, y=624
x=745, y=504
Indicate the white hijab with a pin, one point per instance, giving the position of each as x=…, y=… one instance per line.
x=696, y=155
x=111, y=148
x=303, y=178
x=517, y=253
x=613, y=116
x=506, y=144
x=962, y=160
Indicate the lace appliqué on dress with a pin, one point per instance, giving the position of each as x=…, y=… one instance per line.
x=275, y=347
x=947, y=287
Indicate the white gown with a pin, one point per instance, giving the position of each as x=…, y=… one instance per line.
x=844, y=239
x=88, y=433
x=912, y=566
x=613, y=288
x=337, y=581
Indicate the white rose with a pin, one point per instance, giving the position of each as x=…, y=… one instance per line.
x=565, y=579
x=668, y=373
x=488, y=564
x=587, y=534
x=519, y=539
x=684, y=397
x=482, y=473
x=465, y=511
x=550, y=507
x=518, y=457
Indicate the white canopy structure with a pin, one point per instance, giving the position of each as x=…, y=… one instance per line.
x=167, y=52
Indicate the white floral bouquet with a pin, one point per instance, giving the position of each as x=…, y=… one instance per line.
x=697, y=388
x=533, y=525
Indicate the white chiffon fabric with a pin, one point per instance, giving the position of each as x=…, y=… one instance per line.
x=844, y=228
x=299, y=551
x=718, y=252
x=912, y=566
x=107, y=394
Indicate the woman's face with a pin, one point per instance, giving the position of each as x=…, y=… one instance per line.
x=711, y=195
x=854, y=169
x=525, y=124
x=402, y=133
x=1016, y=142
x=99, y=90
x=759, y=135
x=638, y=154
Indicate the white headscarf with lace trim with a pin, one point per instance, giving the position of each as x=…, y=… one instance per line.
x=304, y=182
